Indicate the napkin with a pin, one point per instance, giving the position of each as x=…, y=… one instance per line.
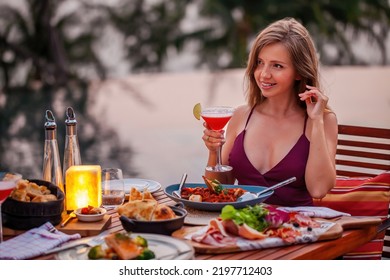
x=34, y=242
x=315, y=211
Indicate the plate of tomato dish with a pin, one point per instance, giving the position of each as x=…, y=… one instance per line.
x=199, y=196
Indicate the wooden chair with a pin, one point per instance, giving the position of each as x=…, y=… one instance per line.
x=365, y=151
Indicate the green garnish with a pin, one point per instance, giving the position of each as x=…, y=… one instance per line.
x=253, y=216
x=217, y=186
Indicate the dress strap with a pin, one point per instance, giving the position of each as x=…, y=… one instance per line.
x=250, y=114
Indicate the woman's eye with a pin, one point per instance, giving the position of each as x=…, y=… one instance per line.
x=278, y=66
x=259, y=62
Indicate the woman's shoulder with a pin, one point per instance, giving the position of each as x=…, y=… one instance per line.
x=239, y=117
x=242, y=110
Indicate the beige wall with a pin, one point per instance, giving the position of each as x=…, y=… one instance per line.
x=153, y=112
x=359, y=95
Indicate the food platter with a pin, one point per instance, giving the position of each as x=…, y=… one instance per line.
x=141, y=184
x=164, y=247
x=329, y=229
x=217, y=206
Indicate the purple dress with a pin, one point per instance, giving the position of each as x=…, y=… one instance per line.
x=293, y=164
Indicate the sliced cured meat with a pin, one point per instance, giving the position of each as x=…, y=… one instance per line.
x=215, y=235
x=247, y=232
x=302, y=220
x=230, y=226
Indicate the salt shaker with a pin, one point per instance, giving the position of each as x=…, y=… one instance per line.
x=72, y=149
x=52, y=171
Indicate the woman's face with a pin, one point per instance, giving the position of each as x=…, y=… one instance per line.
x=275, y=74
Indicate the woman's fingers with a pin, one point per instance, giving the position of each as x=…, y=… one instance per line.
x=313, y=95
x=315, y=100
x=213, y=138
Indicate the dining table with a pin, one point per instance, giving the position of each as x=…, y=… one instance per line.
x=321, y=250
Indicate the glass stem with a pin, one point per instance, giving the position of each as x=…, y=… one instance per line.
x=219, y=159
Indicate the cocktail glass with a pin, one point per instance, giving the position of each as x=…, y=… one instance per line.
x=8, y=182
x=216, y=118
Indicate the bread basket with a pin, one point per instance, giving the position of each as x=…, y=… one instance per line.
x=21, y=215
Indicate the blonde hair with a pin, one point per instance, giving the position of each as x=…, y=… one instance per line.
x=295, y=37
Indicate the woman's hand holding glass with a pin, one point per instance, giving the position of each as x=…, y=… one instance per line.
x=216, y=118
x=213, y=139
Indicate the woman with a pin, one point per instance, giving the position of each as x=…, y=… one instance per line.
x=286, y=128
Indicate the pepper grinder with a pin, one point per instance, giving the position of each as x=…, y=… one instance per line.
x=52, y=171
x=72, y=150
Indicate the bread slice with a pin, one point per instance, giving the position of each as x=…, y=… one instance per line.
x=163, y=212
x=141, y=210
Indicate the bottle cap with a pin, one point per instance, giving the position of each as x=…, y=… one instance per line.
x=50, y=122
x=70, y=117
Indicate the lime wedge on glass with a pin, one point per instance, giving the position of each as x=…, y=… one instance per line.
x=196, y=111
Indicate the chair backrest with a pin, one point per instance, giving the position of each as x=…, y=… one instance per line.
x=364, y=151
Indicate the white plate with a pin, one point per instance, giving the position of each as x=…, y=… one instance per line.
x=141, y=184
x=90, y=217
x=164, y=247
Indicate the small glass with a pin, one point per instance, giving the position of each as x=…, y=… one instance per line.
x=113, y=191
x=8, y=182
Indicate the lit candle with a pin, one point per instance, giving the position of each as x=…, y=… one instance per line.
x=83, y=186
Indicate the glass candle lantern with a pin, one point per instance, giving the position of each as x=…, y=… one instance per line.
x=83, y=186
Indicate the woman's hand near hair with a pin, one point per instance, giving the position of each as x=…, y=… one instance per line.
x=316, y=102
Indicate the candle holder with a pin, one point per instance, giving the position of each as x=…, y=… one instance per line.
x=83, y=187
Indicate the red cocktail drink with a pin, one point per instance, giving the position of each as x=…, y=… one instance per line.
x=216, y=123
x=6, y=188
x=216, y=118
x=8, y=182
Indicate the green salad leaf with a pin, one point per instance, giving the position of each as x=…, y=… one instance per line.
x=253, y=216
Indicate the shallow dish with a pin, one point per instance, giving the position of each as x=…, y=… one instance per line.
x=217, y=206
x=90, y=217
x=165, y=227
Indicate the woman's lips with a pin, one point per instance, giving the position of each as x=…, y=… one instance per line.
x=267, y=85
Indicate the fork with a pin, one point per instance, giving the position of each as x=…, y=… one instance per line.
x=249, y=196
x=181, y=185
x=88, y=241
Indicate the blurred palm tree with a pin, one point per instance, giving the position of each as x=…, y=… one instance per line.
x=57, y=41
x=47, y=58
x=51, y=49
x=55, y=47
x=335, y=27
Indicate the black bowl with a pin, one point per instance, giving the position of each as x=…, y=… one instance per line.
x=165, y=227
x=21, y=215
